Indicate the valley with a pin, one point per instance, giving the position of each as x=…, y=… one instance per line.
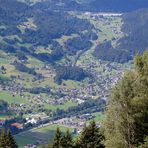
x=58, y=65
x=29, y=96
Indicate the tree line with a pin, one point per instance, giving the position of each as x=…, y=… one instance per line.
x=90, y=137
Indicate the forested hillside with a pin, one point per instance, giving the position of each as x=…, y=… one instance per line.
x=118, y=5
x=23, y=25
x=134, y=40
x=24, y=28
x=90, y=5
x=29, y=25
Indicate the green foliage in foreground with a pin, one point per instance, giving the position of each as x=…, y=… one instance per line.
x=58, y=139
x=91, y=137
x=7, y=140
x=127, y=125
x=67, y=141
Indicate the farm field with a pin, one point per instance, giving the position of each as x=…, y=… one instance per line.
x=65, y=106
x=11, y=98
x=40, y=134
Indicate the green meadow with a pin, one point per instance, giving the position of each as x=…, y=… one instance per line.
x=45, y=134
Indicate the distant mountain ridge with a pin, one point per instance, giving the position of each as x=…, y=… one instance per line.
x=118, y=5
x=31, y=23
x=92, y=5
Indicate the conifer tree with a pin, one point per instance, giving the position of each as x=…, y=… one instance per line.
x=7, y=140
x=3, y=137
x=145, y=144
x=127, y=125
x=91, y=137
x=10, y=141
x=67, y=140
x=58, y=139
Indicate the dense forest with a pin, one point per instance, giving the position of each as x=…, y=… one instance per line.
x=126, y=124
x=17, y=12
x=106, y=51
x=70, y=73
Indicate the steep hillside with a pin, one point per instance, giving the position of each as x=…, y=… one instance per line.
x=118, y=5
x=134, y=40
x=24, y=28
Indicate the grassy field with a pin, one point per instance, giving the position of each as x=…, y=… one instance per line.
x=6, y=116
x=44, y=134
x=98, y=116
x=3, y=61
x=64, y=106
x=10, y=98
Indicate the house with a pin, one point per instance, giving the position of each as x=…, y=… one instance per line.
x=30, y=146
x=17, y=125
x=2, y=122
x=32, y=121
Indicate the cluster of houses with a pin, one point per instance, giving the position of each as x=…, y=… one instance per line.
x=105, y=76
x=30, y=146
x=76, y=123
x=103, y=82
x=101, y=14
x=34, y=119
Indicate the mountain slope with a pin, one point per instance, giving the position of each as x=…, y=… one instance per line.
x=90, y=5
x=118, y=5
x=134, y=40
x=30, y=25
